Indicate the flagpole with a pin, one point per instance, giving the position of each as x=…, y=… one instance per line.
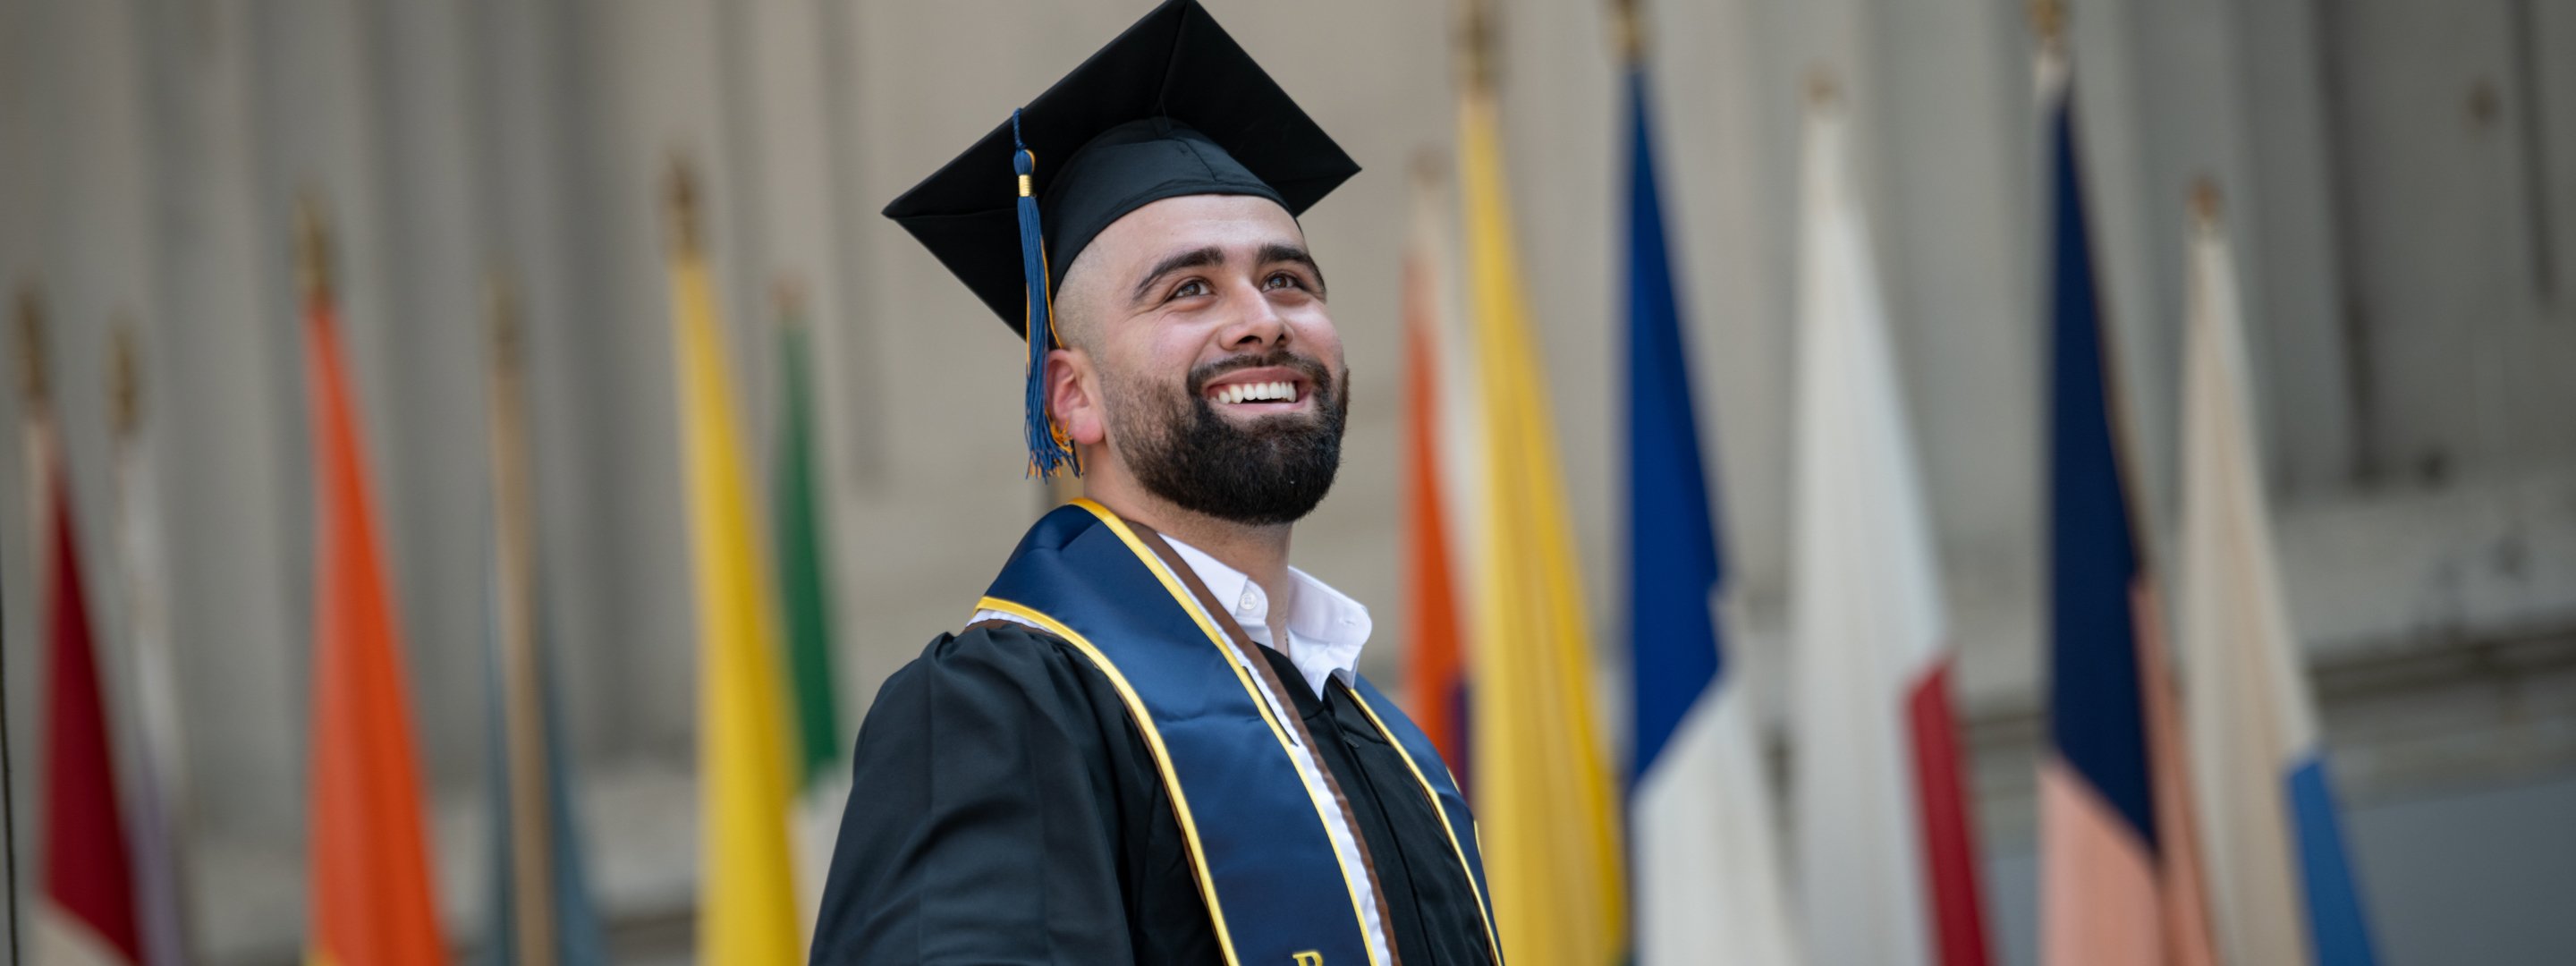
x=532, y=852
x=31, y=382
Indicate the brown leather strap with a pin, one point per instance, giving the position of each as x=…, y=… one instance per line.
x=1251, y=651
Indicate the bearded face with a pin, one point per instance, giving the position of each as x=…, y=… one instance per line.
x=1216, y=374
x=1250, y=464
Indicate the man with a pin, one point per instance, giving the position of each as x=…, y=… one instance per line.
x=1149, y=744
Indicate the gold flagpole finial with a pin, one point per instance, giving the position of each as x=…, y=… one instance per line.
x=501, y=318
x=683, y=204
x=1822, y=90
x=2048, y=19
x=1428, y=166
x=2205, y=207
x=789, y=292
x=31, y=344
x=124, y=378
x=1628, y=22
x=1476, y=43
x=312, y=245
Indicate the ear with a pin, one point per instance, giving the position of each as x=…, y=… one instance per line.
x=1074, y=398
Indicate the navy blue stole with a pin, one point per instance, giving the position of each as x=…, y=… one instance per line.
x=1277, y=892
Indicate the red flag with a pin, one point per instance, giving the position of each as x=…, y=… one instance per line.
x=368, y=864
x=88, y=913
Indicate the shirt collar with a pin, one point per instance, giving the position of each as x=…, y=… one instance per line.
x=1326, y=628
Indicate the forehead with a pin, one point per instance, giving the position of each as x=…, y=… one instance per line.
x=1147, y=234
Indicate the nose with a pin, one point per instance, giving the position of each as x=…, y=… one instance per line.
x=1259, y=326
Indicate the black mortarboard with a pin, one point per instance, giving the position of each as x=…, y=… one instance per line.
x=1172, y=107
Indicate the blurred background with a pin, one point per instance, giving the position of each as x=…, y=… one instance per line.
x=2398, y=179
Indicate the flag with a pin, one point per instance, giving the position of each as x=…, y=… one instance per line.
x=541, y=910
x=2275, y=855
x=1701, y=835
x=802, y=577
x=1435, y=671
x=160, y=791
x=746, y=885
x=368, y=874
x=822, y=780
x=87, y=912
x=2119, y=878
x=1887, y=855
x=1543, y=793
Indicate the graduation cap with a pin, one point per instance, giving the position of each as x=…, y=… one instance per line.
x=1171, y=107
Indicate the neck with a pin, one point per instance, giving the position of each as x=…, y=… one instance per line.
x=1259, y=551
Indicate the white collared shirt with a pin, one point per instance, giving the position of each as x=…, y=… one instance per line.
x=1326, y=630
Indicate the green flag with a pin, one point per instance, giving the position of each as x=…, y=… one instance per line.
x=802, y=580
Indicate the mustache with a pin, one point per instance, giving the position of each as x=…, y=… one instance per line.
x=1279, y=356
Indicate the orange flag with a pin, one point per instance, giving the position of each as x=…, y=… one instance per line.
x=1435, y=675
x=369, y=875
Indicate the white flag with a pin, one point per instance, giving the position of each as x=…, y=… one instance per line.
x=2279, y=886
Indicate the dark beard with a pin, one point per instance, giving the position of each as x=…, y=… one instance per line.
x=1271, y=471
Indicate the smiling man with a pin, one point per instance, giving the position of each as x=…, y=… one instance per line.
x=1150, y=743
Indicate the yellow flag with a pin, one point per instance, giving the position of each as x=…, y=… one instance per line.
x=1542, y=794
x=746, y=889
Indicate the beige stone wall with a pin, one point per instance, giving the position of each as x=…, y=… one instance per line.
x=150, y=152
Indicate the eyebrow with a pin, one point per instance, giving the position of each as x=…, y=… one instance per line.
x=1284, y=252
x=1194, y=258
x=1212, y=255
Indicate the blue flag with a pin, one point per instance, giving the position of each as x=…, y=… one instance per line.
x=1673, y=562
x=574, y=923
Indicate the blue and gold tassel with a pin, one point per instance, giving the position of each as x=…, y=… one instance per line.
x=1049, y=449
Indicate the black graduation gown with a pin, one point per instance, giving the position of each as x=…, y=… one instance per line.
x=1004, y=810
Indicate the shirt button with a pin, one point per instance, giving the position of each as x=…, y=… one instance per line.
x=1247, y=600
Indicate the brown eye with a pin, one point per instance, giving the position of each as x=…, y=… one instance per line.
x=1190, y=289
x=1283, y=280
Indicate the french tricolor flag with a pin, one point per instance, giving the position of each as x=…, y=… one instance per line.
x=1886, y=856
x=2281, y=889
x=1700, y=835
x=2119, y=873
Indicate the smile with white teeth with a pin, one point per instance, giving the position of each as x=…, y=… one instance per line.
x=1250, y=392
